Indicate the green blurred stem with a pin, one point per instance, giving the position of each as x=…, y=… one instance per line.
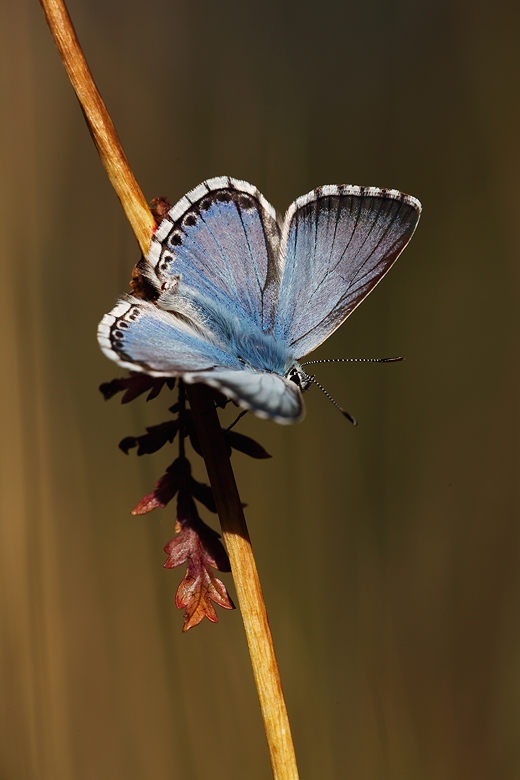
x=227, y=499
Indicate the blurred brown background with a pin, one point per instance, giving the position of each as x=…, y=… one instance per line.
x=389, y=554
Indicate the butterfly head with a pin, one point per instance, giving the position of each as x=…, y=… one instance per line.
x=297, y=375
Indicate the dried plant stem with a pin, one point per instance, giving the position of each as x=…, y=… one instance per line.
x=247, y=583
x=254, y=615
x=99, y=123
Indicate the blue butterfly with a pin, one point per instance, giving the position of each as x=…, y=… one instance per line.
x=239, y=295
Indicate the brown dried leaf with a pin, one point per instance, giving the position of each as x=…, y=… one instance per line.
x=195, y=538
x=151, y=441
x=245, y=444
x=135, y=385
x=165, y=489
x=160, y=207
x=196, y=592
x=199, y=587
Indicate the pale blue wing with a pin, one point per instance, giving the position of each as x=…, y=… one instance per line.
x=337, y=243
x=267, y=395
x=140, y=336
x=222, y=239
x=235, y=306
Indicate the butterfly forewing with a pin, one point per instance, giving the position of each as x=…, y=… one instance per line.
x=222, y=239
x=337, y=243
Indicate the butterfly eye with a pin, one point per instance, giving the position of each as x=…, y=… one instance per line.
x=300, y=378
x=294, y=376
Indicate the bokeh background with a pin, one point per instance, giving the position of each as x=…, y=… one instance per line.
x=389, y=554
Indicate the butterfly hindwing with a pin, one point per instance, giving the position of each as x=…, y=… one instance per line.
x=140, y=336
x=337, y=243
x=267, y=395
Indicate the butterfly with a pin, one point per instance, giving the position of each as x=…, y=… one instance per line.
x=239, y=295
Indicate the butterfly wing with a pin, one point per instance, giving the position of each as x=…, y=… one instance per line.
x=267, y=395
x=226, y=285
x=337, y=243
x=142, y=337
x=222, y=238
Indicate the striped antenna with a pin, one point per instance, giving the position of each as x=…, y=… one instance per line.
x=344, y=360
x=331, y=399
x=354, y=360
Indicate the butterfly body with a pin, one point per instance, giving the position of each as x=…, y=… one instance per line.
x=240, y=295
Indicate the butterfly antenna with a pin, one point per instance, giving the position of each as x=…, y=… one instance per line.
x=331, y=399
x=354, y=360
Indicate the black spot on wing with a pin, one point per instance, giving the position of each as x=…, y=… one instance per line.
x=223, y=195
x=246, y=202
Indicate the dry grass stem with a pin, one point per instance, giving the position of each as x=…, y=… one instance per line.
x=99, y=123
x=267, y=678
x=247, y=583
